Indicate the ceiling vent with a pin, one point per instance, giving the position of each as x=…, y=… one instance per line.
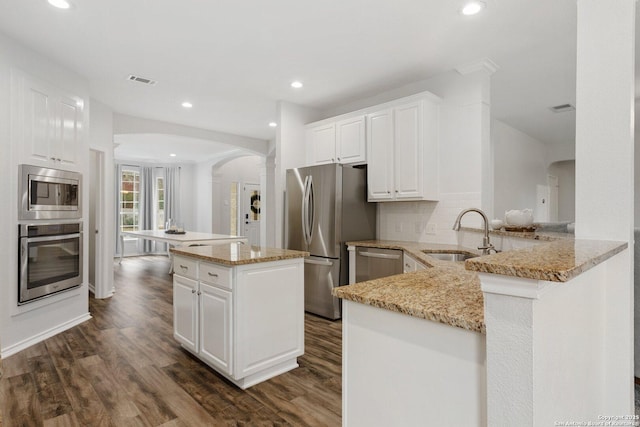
x=141, y=80
x=563, y=108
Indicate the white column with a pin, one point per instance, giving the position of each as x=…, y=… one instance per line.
x=604, y=169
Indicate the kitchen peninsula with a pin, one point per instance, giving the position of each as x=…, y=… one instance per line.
x=465, y=342
x=240, y=308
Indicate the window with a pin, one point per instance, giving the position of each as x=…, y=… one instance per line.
x=159, y=202
x=130, y=200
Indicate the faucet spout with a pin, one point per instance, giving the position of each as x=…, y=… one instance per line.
x=486, y=247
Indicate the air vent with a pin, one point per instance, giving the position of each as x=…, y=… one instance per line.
x=562, y=108
x=141, y=80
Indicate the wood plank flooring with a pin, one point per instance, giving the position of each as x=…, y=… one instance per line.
x=123, y=368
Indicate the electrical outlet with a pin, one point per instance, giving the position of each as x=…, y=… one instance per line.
x=430, y=229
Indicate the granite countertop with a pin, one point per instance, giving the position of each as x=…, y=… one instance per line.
x=445, y=293
x=557, y=261
x=449, y=292
x=237, y=254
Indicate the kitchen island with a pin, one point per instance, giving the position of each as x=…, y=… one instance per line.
x=450, y=345
x=240, y=309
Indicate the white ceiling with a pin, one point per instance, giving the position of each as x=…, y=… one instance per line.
x=235, y=59
x=157, y=148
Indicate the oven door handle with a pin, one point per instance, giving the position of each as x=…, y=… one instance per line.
x=51, y=238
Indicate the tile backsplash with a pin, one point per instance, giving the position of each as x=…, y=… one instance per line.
x=427, y=221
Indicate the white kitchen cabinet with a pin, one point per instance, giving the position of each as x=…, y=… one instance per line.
x=185, y=311
x=248, y=319
x=411, y=264
x=215, y=326
x=402, y=147
x=321, y=142
x=337, y=141
x=49, y=123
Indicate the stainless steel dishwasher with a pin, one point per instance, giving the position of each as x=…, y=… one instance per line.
x=373, y=263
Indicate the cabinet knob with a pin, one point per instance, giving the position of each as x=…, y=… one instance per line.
x=212, y=274
x=199, y=293
x=338, y=158
x=193, y=291
x=388, y=192
x=333, y=160
x=184, y=267
x=396, y=191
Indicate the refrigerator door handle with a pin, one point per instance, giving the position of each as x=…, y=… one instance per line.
x=304, y=210
x=318, y=262
x=311, y=210
x=375, y=255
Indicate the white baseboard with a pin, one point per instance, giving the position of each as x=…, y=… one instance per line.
x=15, y=348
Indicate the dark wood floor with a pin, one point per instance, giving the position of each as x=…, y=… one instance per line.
x=123, y=368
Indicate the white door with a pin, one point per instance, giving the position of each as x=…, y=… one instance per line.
x=350, y=140
x=322, y=144
x=552, y=182
x=251, y=213
x=408, y=151
x=541, y=213
x=215, y=326
x=380, y=155
x=185, y=311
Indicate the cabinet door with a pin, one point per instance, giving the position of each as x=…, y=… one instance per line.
x=408, y=151
x=321, y=143
x=409, y=264
x=68, y=130
x=38, y=122
x=350, y=140
x=51, y=124
x=215, y=327
x=185, y=312
x=380, y=155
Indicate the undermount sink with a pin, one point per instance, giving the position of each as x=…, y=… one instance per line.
x=450, y=255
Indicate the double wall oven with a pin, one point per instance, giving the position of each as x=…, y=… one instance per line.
x=50, y=232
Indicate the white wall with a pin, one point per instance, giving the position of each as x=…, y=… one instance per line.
x=290, y=153
x=519, y=165
x=101, y=139
x=21, y=327
x=244, y=170
x=566, y=173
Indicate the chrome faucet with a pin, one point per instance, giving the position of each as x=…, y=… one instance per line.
x=486, y=247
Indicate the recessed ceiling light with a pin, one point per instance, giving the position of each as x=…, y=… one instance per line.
x=296, y=84
x=172, y=155
x=472, y=7
x=60, y=4
x=273, y=124
x=187, y=104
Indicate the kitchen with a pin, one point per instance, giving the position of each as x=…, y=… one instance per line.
x=464, y=181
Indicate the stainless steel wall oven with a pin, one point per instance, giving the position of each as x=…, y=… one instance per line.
x=50, y=259
x=46, y=193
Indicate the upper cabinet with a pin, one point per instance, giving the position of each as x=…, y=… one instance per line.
x=339, y=141
x=47, y=123
x=402, y=148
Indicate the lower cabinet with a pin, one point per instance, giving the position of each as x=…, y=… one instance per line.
x=410, y=264
x=245, y=321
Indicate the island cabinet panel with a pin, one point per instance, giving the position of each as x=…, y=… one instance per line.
x=185, y=311
x=270, y=326
x=215, y=326
x=244, y=321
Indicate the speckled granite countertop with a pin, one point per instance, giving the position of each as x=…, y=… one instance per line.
x=543, y=236
x=237, y=254
x=557, y=261
x=445, y=293
x=450, y=294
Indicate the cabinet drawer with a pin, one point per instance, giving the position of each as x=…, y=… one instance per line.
x=185, y=267
x=215, y=275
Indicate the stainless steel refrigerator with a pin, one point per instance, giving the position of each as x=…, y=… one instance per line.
x=326, y=207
